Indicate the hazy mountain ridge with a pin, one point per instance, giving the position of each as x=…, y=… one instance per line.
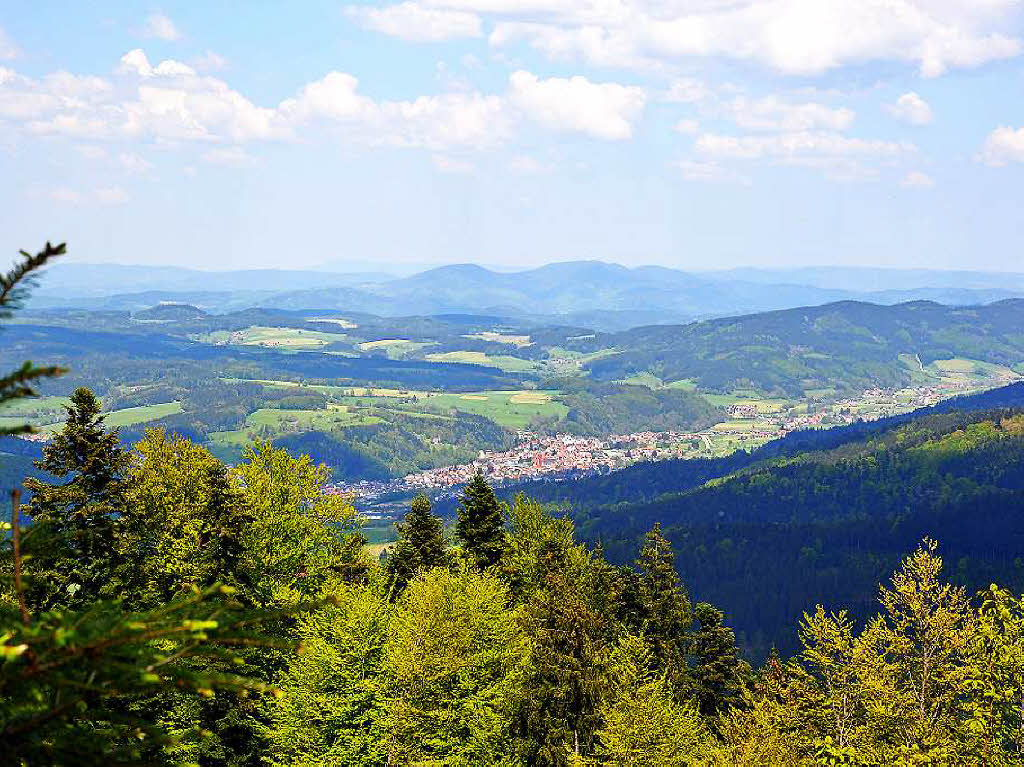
x=612, y=296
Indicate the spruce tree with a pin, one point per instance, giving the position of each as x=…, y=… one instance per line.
x=480, y=527
x=665, y=608
x=80, y=514
x=420, y=546
x=719, y=671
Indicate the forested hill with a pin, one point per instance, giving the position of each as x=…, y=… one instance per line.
x=848, y=346
x=769, y=540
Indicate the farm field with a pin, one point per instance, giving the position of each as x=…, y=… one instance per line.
x=131, y=416
x=395, y=348
x=287, y=339
x=511, y=409
x=504, y=362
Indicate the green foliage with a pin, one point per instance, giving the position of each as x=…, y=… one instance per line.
x=78, y=518
x=420, y=546
x=718, y=671
x=643, y=725
x=453, y=670
x=480, y=527
x=331, y=704
x=665, y=609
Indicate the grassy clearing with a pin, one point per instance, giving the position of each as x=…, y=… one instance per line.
x=501, y=361
x=340, y=321
x=763, y=405
x=964, y=370
x=646, y=378
x=130, y=416
x=499, y=338
x=395, y=348
x=511, y=409
x=686, y=384
x=289, y=339
x=286, y=420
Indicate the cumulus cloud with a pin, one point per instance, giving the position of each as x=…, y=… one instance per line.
x=161, y=27
x=210, y=62
x=601, y=110
x=912, y=109
x=686, y=90
x=412, y=21
x=1004, y=145
x=799, y=37
x=8, y=50
x=773, y=114
x=917, y=180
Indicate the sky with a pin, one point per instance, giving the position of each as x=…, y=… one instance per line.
x=698, y=134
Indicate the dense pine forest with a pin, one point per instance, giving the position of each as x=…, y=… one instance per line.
x=161, y=607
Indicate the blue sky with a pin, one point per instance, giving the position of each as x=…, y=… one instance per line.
x=699, y=134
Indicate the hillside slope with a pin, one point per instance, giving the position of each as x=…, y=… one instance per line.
x=848, y=346
x=766, y=539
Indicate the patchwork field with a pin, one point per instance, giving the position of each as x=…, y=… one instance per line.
x=288, y=339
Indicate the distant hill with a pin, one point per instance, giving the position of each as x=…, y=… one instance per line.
x=169, y=313
x=601, y=295
x=848, y=346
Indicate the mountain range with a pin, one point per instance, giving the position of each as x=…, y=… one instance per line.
x=595, y=294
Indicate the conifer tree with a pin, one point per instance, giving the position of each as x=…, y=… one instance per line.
x=719, y=671
x=480, y=527
x=79, y=515
x=665, y=608
x=568, y=677
x=420, y=546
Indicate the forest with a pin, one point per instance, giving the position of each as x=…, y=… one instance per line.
x=161, y=607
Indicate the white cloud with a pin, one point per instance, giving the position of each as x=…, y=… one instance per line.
x=411, y=21
x=210, y=62
x=799, y=37
x=772, y=114
x=911, y=108
x=917, y=180
x=839, y=157
x=687, y=126
x=686, y=90
x=161, y=27
x=8, y=50
x=797, y=145
x=1004, y=145
x=133, y=163
x=453, y=165
x=112, y=195
x=232, y=156
x=602, y=110
x=710, y=172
